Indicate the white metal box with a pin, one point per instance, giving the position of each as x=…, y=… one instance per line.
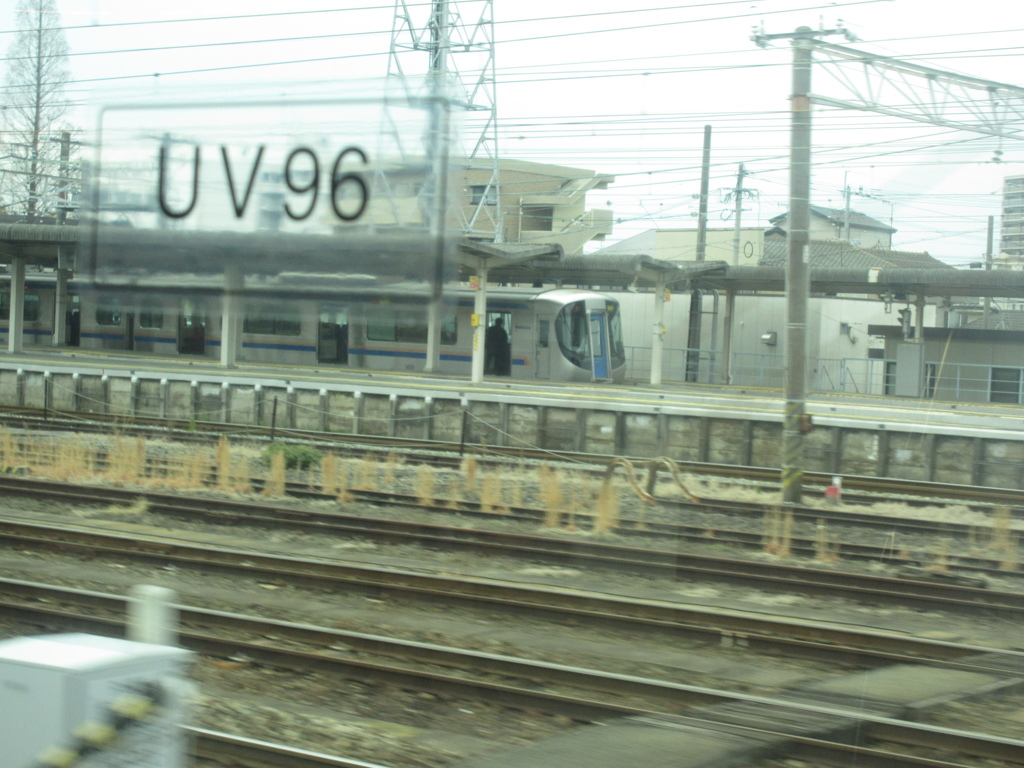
x=52, y=685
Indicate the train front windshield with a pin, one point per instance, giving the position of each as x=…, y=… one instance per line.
x=591, y=339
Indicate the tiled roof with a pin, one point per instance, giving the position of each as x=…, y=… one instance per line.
x=841, y=255
x=838, y=216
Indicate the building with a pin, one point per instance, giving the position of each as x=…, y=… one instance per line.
x=841, y=224
x=535, y=203
x=681, y=245
x=1012, y=236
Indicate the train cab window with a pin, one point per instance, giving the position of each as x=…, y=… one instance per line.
x=571, y=331
x=30, y=313
x=618, y=349
x=151, y=318
x=109, y=312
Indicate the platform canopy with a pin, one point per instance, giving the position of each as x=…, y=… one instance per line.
x=47, y=246
x=615, y=270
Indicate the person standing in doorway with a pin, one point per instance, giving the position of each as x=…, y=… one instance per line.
x=496, y=352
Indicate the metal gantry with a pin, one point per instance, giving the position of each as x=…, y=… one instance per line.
x=878, y=84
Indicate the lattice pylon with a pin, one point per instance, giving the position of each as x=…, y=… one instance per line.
x=434, y=47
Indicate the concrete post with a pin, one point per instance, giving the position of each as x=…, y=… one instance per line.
x=16, y=320
x=480, y=332
x=433, y=336
x=60, y=309
x=658, y=333
x=231, y=317
x=797, y=288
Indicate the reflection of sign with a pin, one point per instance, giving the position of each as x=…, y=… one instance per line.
x=292, y=194
x=474, y=282
x=301, y=174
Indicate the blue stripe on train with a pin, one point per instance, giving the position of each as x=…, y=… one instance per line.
x=449, y=356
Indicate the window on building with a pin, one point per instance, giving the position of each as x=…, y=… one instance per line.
x=538, y=218
x=479, y=193
x=1004, y=385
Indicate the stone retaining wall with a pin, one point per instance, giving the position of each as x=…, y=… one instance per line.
x=484, y=420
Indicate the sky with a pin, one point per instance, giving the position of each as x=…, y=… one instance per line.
x=625, y=92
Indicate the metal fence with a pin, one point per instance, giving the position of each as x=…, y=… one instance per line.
x=852, y=375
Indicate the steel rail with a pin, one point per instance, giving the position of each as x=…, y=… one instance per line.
x=762, y=575
x=535, y=545
x=802, y=638
x=218, y=746
x=637, y=694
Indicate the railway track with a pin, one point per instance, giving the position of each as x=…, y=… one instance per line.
x=668, y=537
x=550, y=603
x=665, y=558
x=581, y=694
x=863, y=489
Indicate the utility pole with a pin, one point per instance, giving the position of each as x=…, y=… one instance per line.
x=988, y=266
x=697, y=296
x=738, y=213
x=798, y=254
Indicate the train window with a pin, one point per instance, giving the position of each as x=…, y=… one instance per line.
x=411, y=330
x=30, y=313
x=31, y=310
x=385, y=326
x=271, y=325
x=109, y=312
x=543, y=329
x=151, y=318
x=380, y=326
x=449, y=329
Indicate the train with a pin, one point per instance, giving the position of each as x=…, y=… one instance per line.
x=555, y=334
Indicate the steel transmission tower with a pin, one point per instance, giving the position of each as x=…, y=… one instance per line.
x=459, y=56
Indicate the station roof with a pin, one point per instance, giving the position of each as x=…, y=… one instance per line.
x=897, y=274
x=874, y=282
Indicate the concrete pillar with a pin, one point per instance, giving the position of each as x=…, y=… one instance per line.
x=919, y=320
x=433, y=336
x=16, y=321
x=658, y=332
x=231, y=317
x=60, y=309
x=480, y=331
x=730, y=312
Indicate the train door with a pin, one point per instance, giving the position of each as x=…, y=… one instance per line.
x=332, y=336
x=542, y=348
x=498, y=344
x=129, y=331
x=73, y=318
x=192, y=328
x=599, y=345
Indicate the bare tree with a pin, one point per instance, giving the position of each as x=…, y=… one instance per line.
x=37, y=72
